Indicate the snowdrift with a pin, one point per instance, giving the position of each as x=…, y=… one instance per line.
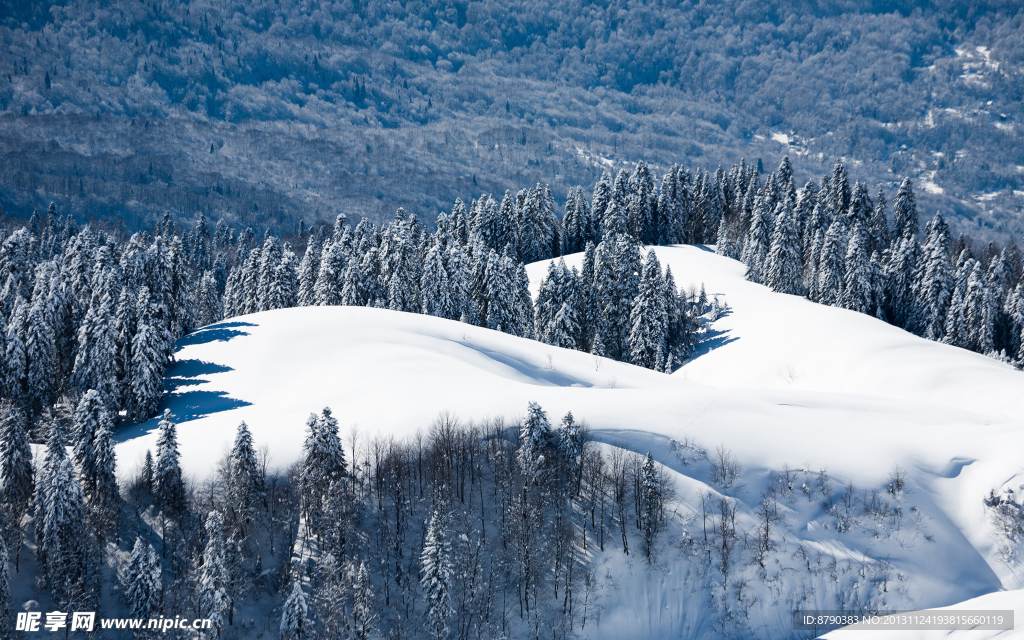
x=779, y=381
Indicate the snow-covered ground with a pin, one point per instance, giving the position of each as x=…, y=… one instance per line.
x=778, y=381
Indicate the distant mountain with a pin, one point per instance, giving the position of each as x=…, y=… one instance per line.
x=266, y=113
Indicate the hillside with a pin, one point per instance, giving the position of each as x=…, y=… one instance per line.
x=779, y=381
x=268, y=113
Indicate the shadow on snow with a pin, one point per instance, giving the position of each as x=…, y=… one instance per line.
x=220, y=332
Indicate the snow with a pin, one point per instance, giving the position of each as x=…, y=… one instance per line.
x=781, y=138
x=779, y=380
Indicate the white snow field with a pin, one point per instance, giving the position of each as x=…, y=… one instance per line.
x=778, y=381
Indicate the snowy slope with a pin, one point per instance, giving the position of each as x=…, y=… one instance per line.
x=776, y=341
x=784, y=382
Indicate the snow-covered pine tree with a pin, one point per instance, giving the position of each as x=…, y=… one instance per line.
x=599, y=202
x=640, y=205
x=857, y=288
x=62, y=547
x=93, y=451
x=95, y=364
x=295, y=623
x=168, y=485
x=308, y=270
x=758, y=243
x=16, y=359
x=937, y=281
x=323, y=465
x=904, y=212
x=437, y=574
x=141, y=580
x=284, y=285
x=327, y=290
x=214, y=600
x=536, y=441
x=16, y=472
x=570, y=447
x=649, y=318
x=148, y=360
x=650, y=505
x=363, y=605
x=40, y=352
x=978, y=314
x=901, y=301
x=6, y=611
x=878, y=229
x=783, y=266
x=435, y=286
x=404, y=271
x=831, y=267
x=246, y=486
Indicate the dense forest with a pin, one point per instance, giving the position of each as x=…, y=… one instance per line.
x=267, y=113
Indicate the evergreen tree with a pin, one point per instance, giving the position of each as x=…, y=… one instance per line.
x=536, y=440
x=783, y=267
x=40, y=353
x=363, y=615
x=16, y=473
x=93, y=451
x=437, y=575
x=758, y=244
x=148, y=360
x=327, y=290
x=650, y=505
x=879, y=226
x=904, y=212
x=436, y=288
x=900, y=295
x=937, y=282
x=168, y=485
x=6, y=610
x=16, y=360
x=246, y=485
x=295, y=624
x=831, y=267
x=61, y=511
x=570, y=446
x=649, y=318
x=322, y=467
x=857, y=287
x=214, y=600
x=141, y=581
x=308, y=270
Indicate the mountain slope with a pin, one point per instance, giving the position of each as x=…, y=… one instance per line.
x=852, y=406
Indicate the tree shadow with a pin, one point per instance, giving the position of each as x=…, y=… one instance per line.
x=713, y=339
x=185, y=373
x=220, y=332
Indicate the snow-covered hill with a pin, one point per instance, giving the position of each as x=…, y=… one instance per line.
x=779, y=381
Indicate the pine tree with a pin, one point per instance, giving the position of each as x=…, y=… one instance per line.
x=168, y=486
x=16, y=361
x=900, y=295
x=61, y=511
x=405, y=273
x=436, y=288
x=323, y=466
x=758, y=243
x=246, y=485
x=649, y=318
x=94, y=459
x=327, y=290
x=536, y=441
x=40, y=353
x=214, y=600
x=783, y=267
x=148, y=469
x=6, y=611
x=148, y=360
x=363, y=615
x=937, y=282
x=141, y=580
x=857, y=287
x=308, y=270
x=437, y=575
x=16, y=472
x=879, y=226
x=295, y=624
x=977, y=310
x=650, y=505
x=570, y=446
x=831, y=267
x=904, y=212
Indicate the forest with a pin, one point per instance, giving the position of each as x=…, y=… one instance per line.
x=268, y=113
